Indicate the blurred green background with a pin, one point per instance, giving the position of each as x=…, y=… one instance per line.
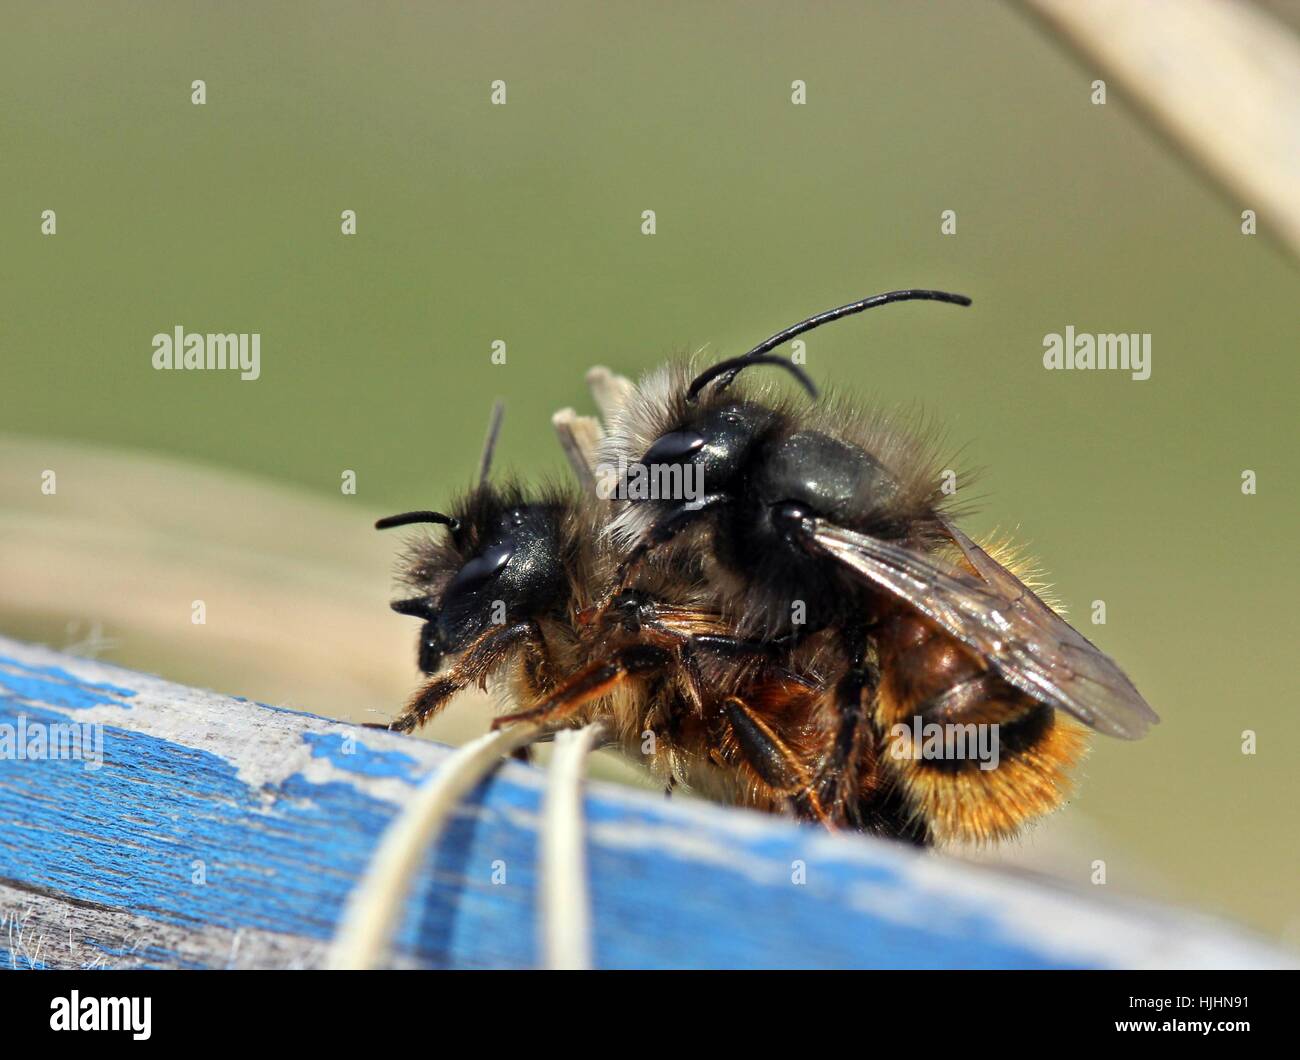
x=522, y=223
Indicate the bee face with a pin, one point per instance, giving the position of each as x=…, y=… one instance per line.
x=513, y=572
x=499, y=563
x=711, y=444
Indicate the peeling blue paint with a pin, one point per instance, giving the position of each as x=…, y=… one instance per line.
x=721, y=917
x=63, y=675
x=346, y=751
x=66, y=691
x=134, y=834
x=37, y=690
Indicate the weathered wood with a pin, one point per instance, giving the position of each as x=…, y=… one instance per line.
x=218, y=832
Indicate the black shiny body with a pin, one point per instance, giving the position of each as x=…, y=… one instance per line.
x=763, y=480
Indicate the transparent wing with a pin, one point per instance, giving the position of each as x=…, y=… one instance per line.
x=1002, y=620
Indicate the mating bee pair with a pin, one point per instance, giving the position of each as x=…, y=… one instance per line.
x=771, y=640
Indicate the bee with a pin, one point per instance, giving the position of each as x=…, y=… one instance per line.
x=823, y=532
x=514, y=587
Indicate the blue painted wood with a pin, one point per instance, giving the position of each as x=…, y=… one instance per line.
x=216, y=832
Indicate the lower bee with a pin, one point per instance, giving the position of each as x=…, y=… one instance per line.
x=823, y=528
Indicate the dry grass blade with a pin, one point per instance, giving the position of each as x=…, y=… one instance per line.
x=372, y=912
x=1222, y=79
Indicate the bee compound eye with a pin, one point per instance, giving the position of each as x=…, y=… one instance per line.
x=481, y=569
x=673, y=447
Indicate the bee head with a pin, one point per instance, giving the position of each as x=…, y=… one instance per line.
x=499, y=562
x=698, y=456
x=710, y=448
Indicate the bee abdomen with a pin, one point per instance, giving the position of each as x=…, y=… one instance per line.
x=919, y=664
x=1011, y=720
x=976, y=757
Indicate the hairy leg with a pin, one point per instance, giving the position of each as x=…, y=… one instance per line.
x=768, y=755
x=473, y=667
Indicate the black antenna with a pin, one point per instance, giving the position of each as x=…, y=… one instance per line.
x=729, y=368
x=407, y=518
x=911, y=294
x=864, y=304
x=490, y=443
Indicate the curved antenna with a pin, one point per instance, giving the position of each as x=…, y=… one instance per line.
x=730, y=368
x=490, y=443
x=407, y=518
x=911, y=294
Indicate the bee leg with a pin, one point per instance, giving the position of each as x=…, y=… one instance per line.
x=768, y=651
x=854, y=696
x=484, y=655
x=431, y=698
x=739, y=646
x=769, y=757
x=591, y=683
x=734, y=647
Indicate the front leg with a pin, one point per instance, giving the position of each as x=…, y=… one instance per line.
x=483, y=656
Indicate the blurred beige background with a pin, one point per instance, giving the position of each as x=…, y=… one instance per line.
x=522, y=223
